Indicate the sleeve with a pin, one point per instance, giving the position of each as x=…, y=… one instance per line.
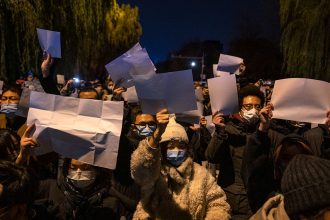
x=218, y=143
x=145, y=164
x=217, y=206
x=49, y=85
x=257, y=169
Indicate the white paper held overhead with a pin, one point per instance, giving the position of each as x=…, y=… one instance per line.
x=50, y=41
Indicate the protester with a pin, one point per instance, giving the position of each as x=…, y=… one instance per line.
x=9, y=105
x=172, y=185
x=306, y=189
x=17, y=192
x=267, y=154
x=9, y=145
x=227, y=147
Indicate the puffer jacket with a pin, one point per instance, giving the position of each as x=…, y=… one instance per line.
x=167, y=192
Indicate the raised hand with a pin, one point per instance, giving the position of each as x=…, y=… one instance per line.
x=27, y=142
x=162, y=118
x=46, y=64
x=265, y=114
x=218, y=119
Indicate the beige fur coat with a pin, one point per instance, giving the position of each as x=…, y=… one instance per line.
x=167, y=192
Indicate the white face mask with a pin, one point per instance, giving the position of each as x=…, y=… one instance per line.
x=8, y=108
x=81, y=179
x=251, y=116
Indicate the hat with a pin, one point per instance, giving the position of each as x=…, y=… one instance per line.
x=306, y=184
x=174, y=131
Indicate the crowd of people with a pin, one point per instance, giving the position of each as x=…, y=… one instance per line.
x=251, y=166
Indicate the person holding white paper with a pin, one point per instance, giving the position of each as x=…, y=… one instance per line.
x=270, y=149
x=172, y=185
x=227, y=147
x=80, y=192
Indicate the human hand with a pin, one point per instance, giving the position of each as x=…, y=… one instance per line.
x=46, y=64
x=265, y=114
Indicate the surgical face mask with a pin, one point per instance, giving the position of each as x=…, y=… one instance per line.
x=81, y=179
x=176, y=156
x=145, y=130
x=8, y=108
x=251, y=115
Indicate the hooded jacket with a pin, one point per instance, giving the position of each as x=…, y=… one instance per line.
x=167, y=192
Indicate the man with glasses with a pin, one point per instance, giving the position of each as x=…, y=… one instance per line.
x=9, y=102
x=227, y=147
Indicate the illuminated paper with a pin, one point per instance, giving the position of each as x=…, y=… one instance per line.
x=229, y=63
x=172, y=90
x=50, y=41
x=135, y=61
x=192, y=117
x=223, y=94
x=130, y=95
x=60, y=79
x=82, y=129
x=298, y=99
x=218, y=73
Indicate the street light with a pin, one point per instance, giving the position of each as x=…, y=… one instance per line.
x=193, y=63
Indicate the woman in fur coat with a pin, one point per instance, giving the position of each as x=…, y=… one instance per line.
x=172, y=185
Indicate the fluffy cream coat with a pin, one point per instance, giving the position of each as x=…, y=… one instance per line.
x=185, y=192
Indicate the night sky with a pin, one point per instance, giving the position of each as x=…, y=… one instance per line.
x=168, y=24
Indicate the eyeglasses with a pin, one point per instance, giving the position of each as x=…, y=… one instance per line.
x=10, y=98
x=151, y=125
x=251, y=106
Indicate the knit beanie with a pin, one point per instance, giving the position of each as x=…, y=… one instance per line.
x=306, y=184
x=174, y=131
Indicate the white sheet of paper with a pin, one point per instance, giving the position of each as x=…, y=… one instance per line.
x=135, y=61
x=172, y=90
x=50, y=41
x=60, y=79
x=218, y=73
x=299, y=99
x=130, y=95
x=229, y=63
x=82, y=129
x=223, y=94
x=192, y=117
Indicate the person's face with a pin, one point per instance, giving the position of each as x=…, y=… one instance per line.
x=88, y=95
x=143, y=119
x=143, y=126
x=80, y=166
x=205, y=91
x=196, y=84
x=250, y=102
x=10, y=97
x=99, y=88
x=30, y=78
x=172, y=145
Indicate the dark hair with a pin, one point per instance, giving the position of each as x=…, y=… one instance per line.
x=89, y=89
x=14, y=88
x=18, y=185
x=135, y=111
x=250, y=90
x=8, y=148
